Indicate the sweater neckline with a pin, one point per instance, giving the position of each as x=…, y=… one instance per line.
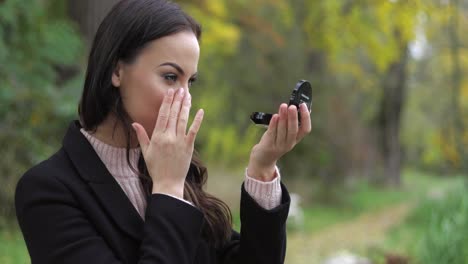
x=115, y=158
x=88, y=135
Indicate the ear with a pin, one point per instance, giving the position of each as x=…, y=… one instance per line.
x=117, y=74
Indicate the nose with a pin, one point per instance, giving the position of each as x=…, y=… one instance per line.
x=186, y=87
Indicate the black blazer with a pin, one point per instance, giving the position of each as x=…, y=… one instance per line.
x=71, y=210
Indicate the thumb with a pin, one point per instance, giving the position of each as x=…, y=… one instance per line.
x=142, y=136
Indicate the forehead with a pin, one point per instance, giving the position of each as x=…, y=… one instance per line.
x=181, y=48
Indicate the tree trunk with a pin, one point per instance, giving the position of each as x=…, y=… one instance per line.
x=389, y=117
x=89, y=14
x=457, y=120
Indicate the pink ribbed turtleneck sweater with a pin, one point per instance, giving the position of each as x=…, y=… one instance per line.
x=266, y=194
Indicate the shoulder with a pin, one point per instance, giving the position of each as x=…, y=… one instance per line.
x=46, y=178
x=48, y=170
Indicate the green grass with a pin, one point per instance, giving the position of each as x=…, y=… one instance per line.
x=363, y=197
x=436, y=231
x=12, y=249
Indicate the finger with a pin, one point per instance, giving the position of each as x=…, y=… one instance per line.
x=142, y=136
x=306, y=124
x=184, y=114
x=192, y=133
x=164, y=111
x=282, y=124
x=175, y=110
x=273, y=128
x=293, y=125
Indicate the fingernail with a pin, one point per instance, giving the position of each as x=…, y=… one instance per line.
x=170, y=91
x=181, y=91
x=134, y=127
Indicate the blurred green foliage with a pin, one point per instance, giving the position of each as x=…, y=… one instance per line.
x=445, y=238
x=435, y=231
x=254, y=51
x=13, y=249
x=35, y=99
x=362, y=197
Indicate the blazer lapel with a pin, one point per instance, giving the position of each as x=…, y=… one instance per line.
x=107, y=190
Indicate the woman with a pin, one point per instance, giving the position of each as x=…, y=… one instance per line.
x=126, y=187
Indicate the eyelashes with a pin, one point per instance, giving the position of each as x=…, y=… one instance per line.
x=192, y=80
x=172, y=78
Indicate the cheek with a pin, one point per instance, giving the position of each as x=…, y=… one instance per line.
x=142, y=100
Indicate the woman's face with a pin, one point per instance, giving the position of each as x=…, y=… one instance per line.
x=168, y=62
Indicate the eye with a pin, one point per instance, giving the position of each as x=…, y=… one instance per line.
x=191, y=81
x=170, y=77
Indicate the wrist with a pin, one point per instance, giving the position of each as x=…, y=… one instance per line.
x=262, y=173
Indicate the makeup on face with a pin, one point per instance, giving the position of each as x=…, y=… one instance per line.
x=172, y=77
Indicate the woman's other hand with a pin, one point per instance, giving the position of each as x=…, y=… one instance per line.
x=282, y=135
x=168, y=152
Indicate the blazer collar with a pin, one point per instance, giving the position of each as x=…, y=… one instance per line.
x=109, y=193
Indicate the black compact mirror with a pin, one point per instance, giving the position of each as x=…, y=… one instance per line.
x=302, y=93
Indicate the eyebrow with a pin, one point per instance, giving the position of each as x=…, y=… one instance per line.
x=175, y=66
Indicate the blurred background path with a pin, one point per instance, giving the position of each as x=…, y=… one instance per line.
x=356, y=235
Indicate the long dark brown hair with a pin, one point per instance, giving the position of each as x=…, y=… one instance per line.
x=129, y=26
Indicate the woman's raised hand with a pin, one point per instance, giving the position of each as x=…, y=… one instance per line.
x=282, y=135
x=168, y=152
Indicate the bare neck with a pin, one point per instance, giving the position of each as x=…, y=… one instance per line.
x=111, y=132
